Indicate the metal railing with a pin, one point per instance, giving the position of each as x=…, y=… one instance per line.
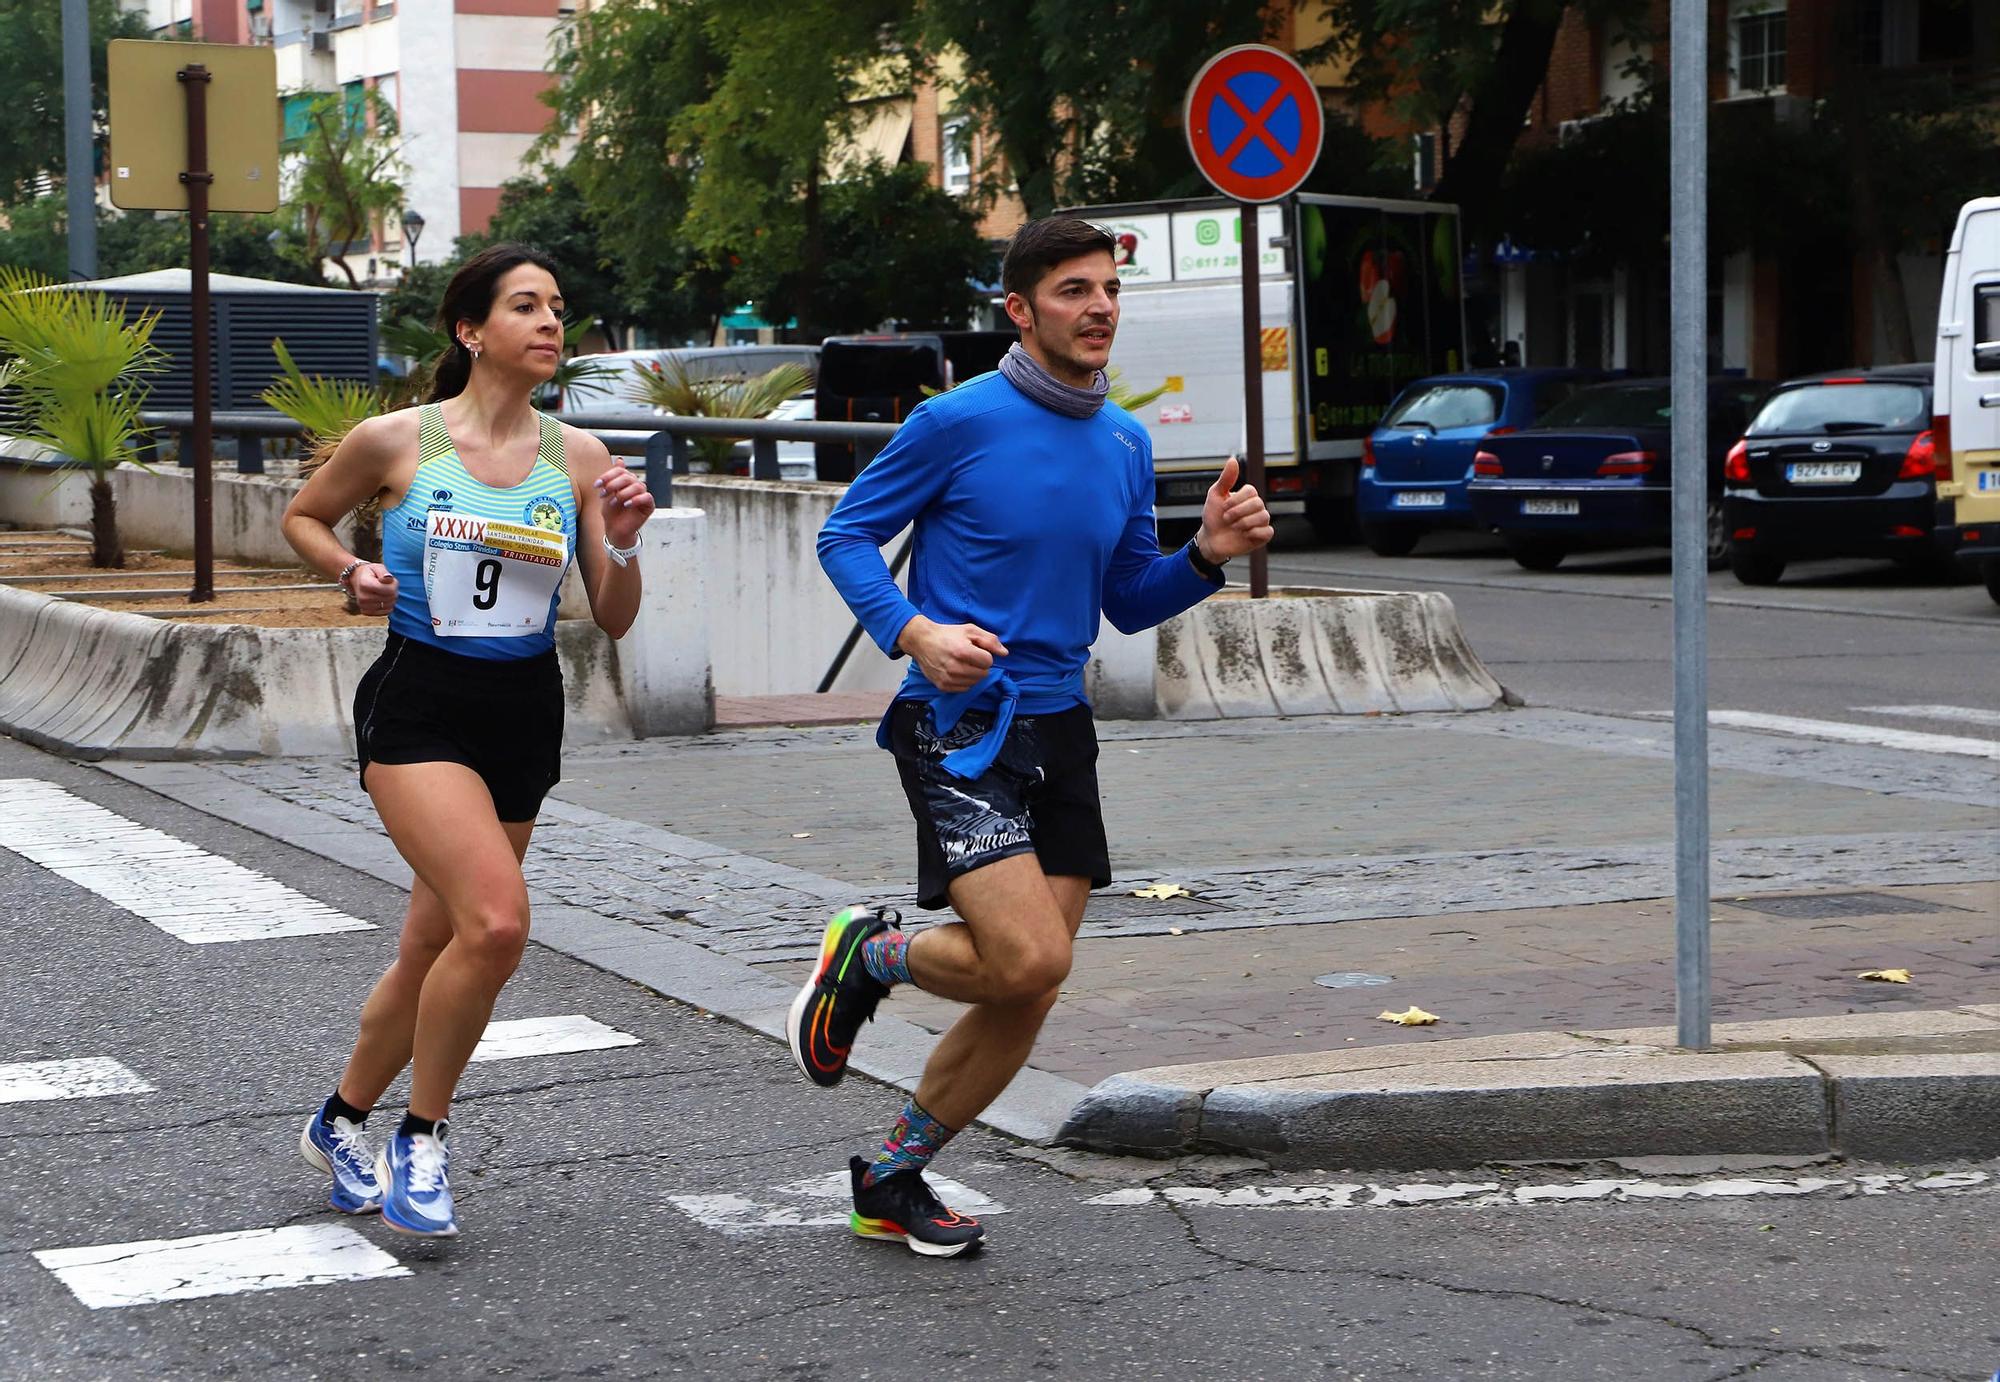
x=662, y=439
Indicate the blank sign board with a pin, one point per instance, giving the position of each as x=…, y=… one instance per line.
x=149, y=125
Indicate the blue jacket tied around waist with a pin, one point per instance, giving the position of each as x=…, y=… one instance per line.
x=1030, y=525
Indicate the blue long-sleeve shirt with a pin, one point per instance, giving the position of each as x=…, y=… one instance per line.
x=1029, y=524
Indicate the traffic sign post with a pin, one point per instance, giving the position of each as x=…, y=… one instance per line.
x=1254, y=125
x=162, y=98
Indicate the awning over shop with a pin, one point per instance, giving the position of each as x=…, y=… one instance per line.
x=880, y=130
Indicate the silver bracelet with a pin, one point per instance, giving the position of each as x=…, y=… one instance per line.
x=346, y=571
x=624, y=555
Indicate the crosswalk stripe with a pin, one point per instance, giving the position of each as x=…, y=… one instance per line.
x=91, y=1077
x=818, y=1202
x=1970, y=715
x=1857, y=734
x=187, y=892
x=217, y=1264
x=548, y=1036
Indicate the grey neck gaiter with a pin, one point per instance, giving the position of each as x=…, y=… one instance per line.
x=1027, y=374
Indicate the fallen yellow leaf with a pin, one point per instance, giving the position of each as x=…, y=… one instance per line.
x=1159, y=892
x=1887, y=976
x=1415, y=1017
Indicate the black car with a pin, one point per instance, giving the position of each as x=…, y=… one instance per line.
x=1597, y=471
x=1836, y=465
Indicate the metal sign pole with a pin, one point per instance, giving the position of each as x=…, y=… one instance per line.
x=1253, y=379
x=194, y=81
x=1688, y=173
x=79, y=178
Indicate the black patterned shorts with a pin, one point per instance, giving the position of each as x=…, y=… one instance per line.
x=1039, y=797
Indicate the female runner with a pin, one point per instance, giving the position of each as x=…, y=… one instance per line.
x=458, y=725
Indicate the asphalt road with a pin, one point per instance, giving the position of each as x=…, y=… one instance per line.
x=1597, y=633
x=636, y=1211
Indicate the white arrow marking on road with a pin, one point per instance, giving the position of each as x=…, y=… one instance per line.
x=1491, y=1195
x=218, y=1264
x=187, y=892
x=548, y=1036
x=821, y=1202
x=1857, y=734
x=1968, y=714
x=92, y=1077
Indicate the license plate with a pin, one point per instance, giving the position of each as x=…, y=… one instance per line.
x=1551, y=506
x=1419, y=499
x=1185, y=489
x=1823, y=472
x=1989, y=479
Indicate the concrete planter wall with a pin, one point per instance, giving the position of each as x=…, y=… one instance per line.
x=100, y=683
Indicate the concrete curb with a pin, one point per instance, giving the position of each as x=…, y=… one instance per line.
x=1875, y=1087
x=1314, y=652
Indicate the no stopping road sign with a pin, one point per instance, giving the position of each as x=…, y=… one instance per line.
x=1253, y=122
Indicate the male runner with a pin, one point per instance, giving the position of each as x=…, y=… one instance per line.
x=1032, y=498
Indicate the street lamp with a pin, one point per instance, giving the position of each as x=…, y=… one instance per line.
x=413, y=229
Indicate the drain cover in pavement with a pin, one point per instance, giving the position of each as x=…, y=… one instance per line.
x=1841, y=905
x=1353, y=980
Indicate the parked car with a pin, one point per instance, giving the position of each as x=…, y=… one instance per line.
x=620, y=391
x=1966, y=387
x=1836, y=465
x=1415, y=465
x=1597, y=471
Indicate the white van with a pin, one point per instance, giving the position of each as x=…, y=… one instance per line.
x=1966, y=393
x=621, y=390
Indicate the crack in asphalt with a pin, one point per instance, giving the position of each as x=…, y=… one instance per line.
x=1707, y=1340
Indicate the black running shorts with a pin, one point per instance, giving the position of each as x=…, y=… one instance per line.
x=1039, y=797
x=502, y=719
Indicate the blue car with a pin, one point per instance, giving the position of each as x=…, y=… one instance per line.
x=1596, y=471
x=1415, y=465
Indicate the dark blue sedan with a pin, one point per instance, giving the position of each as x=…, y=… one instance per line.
x=1415, y=465
x=1597, y=471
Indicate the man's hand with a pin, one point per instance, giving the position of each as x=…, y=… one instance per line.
x=953, y=657
x=626, y=504
x=1232, y=524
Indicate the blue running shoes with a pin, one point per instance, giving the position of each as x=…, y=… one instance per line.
x=416, y=1197
x=340, y=1149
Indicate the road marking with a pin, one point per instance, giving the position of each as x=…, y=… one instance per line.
x=1495, y=1195
x=1857, y=734
x=92, y=1077
x=187, y=892
x=548, y=1036
x=820, y=1202
x=1971, y=715
x=218, y=1264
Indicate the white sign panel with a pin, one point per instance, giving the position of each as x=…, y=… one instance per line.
x=1145, y=248
x=1205, y=243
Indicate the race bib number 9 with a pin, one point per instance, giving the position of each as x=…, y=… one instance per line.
x=490, y=579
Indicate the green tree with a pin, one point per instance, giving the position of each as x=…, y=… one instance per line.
x=1086, y=99
x=896, y=250
x=626, y=71
x=31, y=73
x=349, y=176
x=1471, y=66
x=131, y=242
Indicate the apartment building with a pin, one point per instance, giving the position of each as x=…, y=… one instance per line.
x=1774, y=311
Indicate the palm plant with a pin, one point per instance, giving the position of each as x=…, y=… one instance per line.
x=328, y=409
x=78, y=364
x=1126, y=395
x=667, y=385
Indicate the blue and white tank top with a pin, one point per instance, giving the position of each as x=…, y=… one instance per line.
x=478, y=568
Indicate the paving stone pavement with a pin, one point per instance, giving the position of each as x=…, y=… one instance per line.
x=1504, y=870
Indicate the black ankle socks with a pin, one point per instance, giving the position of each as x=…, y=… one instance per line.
x=337, y=1107
x=412, y=1125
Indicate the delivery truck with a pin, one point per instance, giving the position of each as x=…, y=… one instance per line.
x=1965, y=396
x=1357, y=297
